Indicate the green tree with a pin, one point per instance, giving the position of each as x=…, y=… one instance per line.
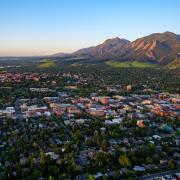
x=124, y=161
x=171, y=164
x=96, y=138
x=104, y=145
x=36, y=174
x=42, y=158
x=50, y=178
x=149, y=160
x=91, y=177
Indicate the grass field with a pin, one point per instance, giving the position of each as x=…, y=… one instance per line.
x=175, y=64
x=46, y=63
x=128, y=64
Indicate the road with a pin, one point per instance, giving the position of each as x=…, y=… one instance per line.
x=19, y=114
x=152, y=176
x=100, y=79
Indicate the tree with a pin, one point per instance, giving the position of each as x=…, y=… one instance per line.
x=77, y=136
x=149, y=160
x=36, y=174
x=124, y=161
x=96, y=137
x=104, y=145
x=152, y=147
x=102, y=159
x=91, y=177
x=171, y=164
x=50, y=178
x=130, y=174
x=42, y=158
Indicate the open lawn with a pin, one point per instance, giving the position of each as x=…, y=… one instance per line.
x=175, y=64
x=128, y=64
x=47, y=64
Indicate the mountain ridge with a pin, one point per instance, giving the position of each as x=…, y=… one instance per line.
x=160, y=48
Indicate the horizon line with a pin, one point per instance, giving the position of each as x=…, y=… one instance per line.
x=51, y=55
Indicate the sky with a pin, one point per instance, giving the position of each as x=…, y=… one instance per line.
x=43, y=27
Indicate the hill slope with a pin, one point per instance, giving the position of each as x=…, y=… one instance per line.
x=159, y=48
x=102, y=49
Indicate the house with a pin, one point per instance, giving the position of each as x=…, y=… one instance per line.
x=67, y=122
x=71, y=87
x=82, y=177
x=82, y=160
x=167, y=177
x=104, y=100
x=113, y=121
x=163, y=162
x=146, y=102
x=47, y=113
x=175, y=100
x=52, y=155
x=139, y=168
x=140, y=123
x=156, y=137
x=35, y=108
x=80, y=121
x=177, y=142
x=8, y=112
x=23, y=161
x=122, y=171
x=50, y=99
x=98, y=175
x=166, y=128
x=177, y=175
x=96, y=112
x=129, y=87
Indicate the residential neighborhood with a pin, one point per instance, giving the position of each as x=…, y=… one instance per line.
x=89, y=90
x=108, y=136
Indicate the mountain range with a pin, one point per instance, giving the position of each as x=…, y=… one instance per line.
x=159, y=48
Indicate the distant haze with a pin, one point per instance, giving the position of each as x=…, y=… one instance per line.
x=43, y=27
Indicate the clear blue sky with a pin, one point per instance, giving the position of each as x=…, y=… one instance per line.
x=35, y=27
